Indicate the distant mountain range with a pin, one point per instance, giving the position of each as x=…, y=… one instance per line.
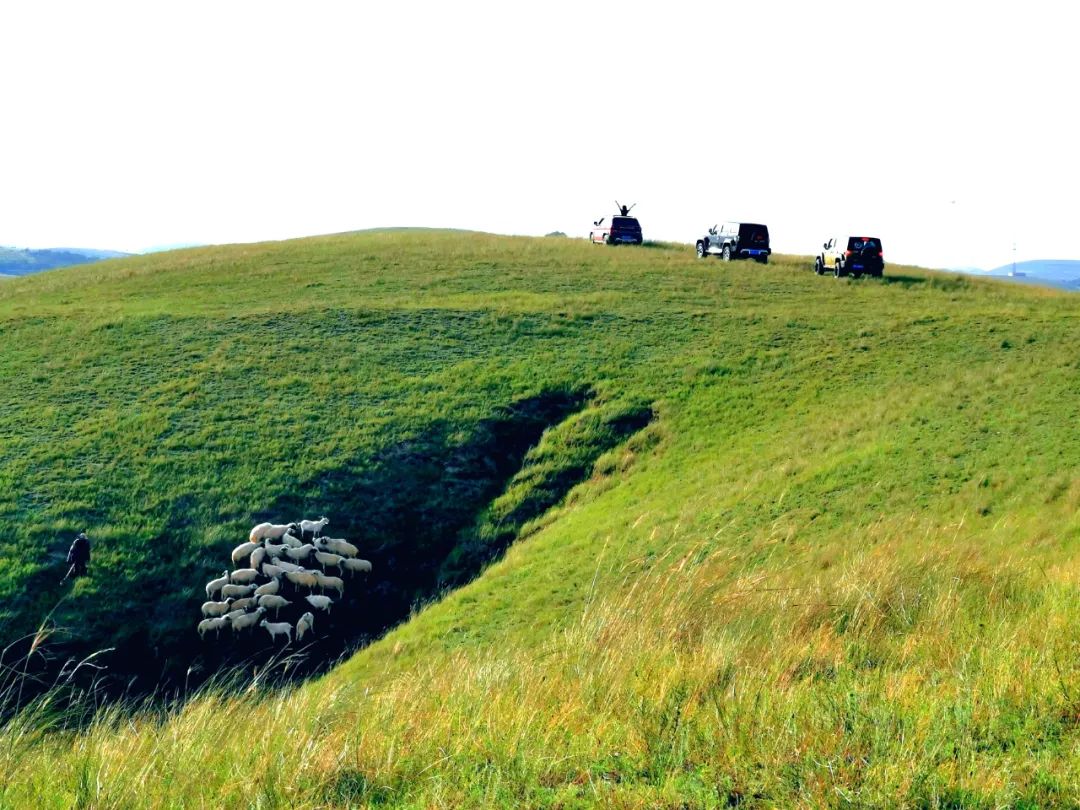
x=1062, y=273
x=16, y=262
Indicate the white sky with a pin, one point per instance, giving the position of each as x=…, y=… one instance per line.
x=946, y=128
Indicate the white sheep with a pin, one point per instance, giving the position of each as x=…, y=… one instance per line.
x=247, y=620
x=243, y=576
x=273, y=586
x=325, y=558
x=330, y=582
x=245, y=603
x=270, y=531
x=272, y=570
x=272, y=601
x=237, y=591
x=214, y=609
x=242, y=551
x=313, y=526
x=307, y=622
x=286, y=566
x=276, y=629
x=292, y=542
x=232, y=614
x=215, y=585
x=319, y=602
x=305, y=578
x=257, y=556
x=275, y=552
x=301, y=553
x=215, y=624
x=339, y=546
x=356, y=565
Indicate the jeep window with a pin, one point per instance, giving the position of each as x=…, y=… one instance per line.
x=625, y=223
x=863, y=243
x=753, y=234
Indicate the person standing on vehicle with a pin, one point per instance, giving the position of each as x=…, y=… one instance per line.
x=78, y=557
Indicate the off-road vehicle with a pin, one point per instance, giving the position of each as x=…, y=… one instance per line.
x=735, y=240
x=855, y=255
x=622, y=229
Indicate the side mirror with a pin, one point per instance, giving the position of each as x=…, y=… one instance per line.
x=826, y=245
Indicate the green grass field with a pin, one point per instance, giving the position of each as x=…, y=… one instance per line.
x=770, y=539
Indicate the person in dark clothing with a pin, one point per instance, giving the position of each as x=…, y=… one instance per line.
x=78, y=557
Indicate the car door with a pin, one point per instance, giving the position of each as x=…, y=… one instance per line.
x=830, y=252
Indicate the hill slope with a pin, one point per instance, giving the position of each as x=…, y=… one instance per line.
x=1063, y=273
x=779, y=538
x=15, y=262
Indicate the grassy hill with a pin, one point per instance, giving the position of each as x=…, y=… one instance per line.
x=773, y=539
x=15, y=262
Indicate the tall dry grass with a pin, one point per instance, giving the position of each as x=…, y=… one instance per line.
x=913, y=677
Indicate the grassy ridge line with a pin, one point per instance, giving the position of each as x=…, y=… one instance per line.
x=844, y=574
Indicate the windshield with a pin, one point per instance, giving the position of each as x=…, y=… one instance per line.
x=625, y=223
x=864, y=243
x=754, y=234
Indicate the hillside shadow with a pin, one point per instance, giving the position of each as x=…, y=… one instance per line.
x=426, y=512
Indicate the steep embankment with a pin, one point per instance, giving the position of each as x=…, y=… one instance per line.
x=819, y=542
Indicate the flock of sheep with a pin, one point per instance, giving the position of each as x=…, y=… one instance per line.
x=275, y=570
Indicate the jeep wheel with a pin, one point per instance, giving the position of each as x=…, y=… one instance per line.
x=763, y=259
x=701, y=250
x=819, y=268
x=837, y=271
x=726, y=255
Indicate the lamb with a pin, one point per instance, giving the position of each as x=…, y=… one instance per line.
x=273, y=601
x=247, y=620
x=313, y=526
x=273, y=586
x=319, y=602
x=270, y=531
x=339, y=546
x=291, y=541
x=330, y=582
x=301, y=553
x=257, y=556
x=237, y=591
x=276, y=629
x=215, y=624
x=288, y=566
x=242, y=551
x=271, y=570
x=215, y=609
x=244, y=576
x=325, y=558
x=215, y=585
x=302, y=577
x=356, y=565
x=245, y=603
x=307, y=622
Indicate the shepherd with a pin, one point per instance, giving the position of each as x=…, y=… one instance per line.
x=78, y=557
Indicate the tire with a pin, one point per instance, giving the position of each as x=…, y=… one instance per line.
x=726, y=255
x=763, y=260
x=819, y=268
x=838, y=272
x=701, y=254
